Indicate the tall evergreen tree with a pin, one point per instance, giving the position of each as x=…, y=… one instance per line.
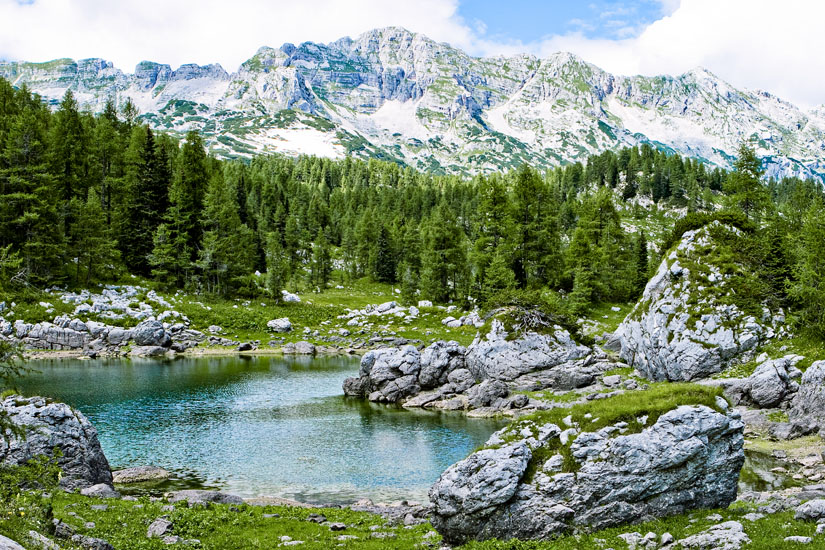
x=321, y=268
x=744, y=185
x=385, y=258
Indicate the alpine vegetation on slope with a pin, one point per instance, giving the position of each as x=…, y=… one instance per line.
x=394, y=94
x=612, y=462
x=690, y=323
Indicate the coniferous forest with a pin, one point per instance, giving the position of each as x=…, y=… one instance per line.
x=89, y=198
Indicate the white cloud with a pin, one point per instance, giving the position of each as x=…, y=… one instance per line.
x=764, y=44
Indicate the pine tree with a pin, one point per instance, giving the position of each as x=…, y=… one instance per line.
x=744, y=185
x=165, y=258
x=385, y=258
x=534, y=238
x=68, y=149
x=189, y=189
x=321, y=269
x=226, y=254
x=277, y=266
x=808, y=289
x=499, y=279
x=29, y=218
x=94, y=246
x=444, y=270
x=642, y=263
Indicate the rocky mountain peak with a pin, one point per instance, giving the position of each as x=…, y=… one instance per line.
x=397, y=94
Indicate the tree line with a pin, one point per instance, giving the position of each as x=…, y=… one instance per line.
x=86, y=198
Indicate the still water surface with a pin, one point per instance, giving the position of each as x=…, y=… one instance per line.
x=260, y=426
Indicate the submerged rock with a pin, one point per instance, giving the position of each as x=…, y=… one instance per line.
x=140, y=474
x=690, y=458
x=679, y=329
x=51, y=425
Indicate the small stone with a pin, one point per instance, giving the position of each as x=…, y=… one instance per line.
x=799, y=540
x=159, y=528
x=337, y=526
x=316, y=518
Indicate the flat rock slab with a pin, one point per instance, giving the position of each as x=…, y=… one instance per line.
x=140, y=474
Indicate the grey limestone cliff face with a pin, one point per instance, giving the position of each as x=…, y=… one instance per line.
x=680, y=329
x=51, y=425
x=689, y=458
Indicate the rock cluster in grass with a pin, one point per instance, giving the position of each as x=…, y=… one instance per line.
x=689, y=458
x=485, y=375
x=685, y=326
x=49, y=425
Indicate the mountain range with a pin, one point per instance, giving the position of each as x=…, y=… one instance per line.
x=397, y=95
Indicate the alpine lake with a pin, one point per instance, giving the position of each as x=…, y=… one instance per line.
x=271, y=426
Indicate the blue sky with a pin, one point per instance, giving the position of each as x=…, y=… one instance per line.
x=531, y=21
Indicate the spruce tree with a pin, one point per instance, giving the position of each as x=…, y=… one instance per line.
x=277, y=266
x=95, y=250
x=385, y=258
x=321, y=268
x=498, y=281
x=744, y=186
x=808, y=289
x=642, y=263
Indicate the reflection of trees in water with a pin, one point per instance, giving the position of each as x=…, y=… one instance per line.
x=757, y=474
x=380, y=416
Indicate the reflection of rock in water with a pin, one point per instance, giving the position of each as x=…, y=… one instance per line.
x=757, y=474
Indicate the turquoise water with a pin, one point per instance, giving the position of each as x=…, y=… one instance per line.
x=260, y=426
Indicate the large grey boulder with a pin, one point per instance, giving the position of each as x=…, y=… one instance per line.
x=768, y=386
x=683, y=328
x=49, y=425
x=501, y=358
x=438, y=360
x=690, y=458
x=387, y=375
x=8, y=544
x=813, y=510
x=282, y=324
x=808, y=406
x=151, y=333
